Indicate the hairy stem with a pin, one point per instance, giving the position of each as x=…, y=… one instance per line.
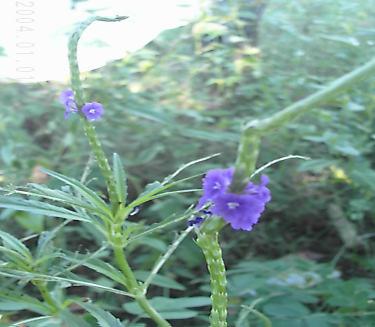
x=163, y=259
x=133, y=286
x=247, y=155
x=79, y=97
x=43, y=290
x=103, y=163
x=286, y=115
x=72, y=54
x=210, y=246
x=251, y=135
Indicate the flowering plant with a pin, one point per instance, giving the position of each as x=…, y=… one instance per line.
x=229, y=197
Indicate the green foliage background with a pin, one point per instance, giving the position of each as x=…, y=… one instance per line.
x=184, y=96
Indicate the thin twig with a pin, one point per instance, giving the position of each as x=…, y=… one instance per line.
x=163, y=259
x=291, y=156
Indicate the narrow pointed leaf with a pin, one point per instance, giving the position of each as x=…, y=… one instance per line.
x=101, y=267
x=159, y=280
x=17, y=302
x=82, y=189
x=72, y=320
x=30, y=322
x=15, y=257
x=40, y=208
x=120, y=179
x=60, y=196
x=104, y=318
x=76, y=281
x=191, y=163
x=13, y=243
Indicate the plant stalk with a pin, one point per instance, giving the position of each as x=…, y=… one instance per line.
x=133, y=286
x=342, y=83
x=43, y=290
x=253, y=130
x=210, y=246
x=79, y=97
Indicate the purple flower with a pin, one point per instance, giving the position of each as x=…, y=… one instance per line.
x=93, y=111
x=67, y=99
x=243, y=210
x=260, y=191
x=215, y=183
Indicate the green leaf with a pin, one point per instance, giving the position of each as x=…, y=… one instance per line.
x=150, y=188
x=319, y=320
x=165, y=223
x=36, y=322
x=171, y=308
x=152, y=242
x=33, y=223
x=287, y=309
x=242, y=319
x=120, y=178
x=17, y=302
x=101, y=267
x=39, y=208
x=59, y=196
x=156, y=187
x=82, y=189
x=104, y=318
x=72, y=320
x=15, y=257
x=159, y=280
x=76, y=281
x=12, y=243
x=182, y=168
x=44, y=240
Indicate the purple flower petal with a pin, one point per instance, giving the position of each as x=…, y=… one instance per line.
x=67, y=99
x=242, y=211
x=66, y=95
x=93, y=111
x=217, y=182
x=259, y=191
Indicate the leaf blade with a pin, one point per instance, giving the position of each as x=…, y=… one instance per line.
x=120, y=179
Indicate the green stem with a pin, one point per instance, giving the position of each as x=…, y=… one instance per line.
x=43, y=290
x=103, y=164
x=131, y=282
x=163, y=259
x=133, y=286
x=247, y=155
x=284, y=116
x=79, y=97
x=210, y=246
x=251, y=135
x=72, y=54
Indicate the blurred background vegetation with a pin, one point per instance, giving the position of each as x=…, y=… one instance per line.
x=184, y=96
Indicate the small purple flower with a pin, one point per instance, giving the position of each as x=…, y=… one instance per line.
x=67, y=99
x=215, y=182
x=242, y=211
x=93, y=111
x=260, y=191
